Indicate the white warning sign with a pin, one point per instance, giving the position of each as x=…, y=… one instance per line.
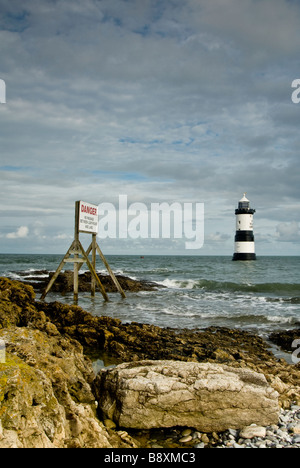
x=88, y=218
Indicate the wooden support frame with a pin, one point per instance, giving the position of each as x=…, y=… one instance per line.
x=94, y=247
x=80, y=256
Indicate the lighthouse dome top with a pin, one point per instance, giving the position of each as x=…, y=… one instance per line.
x=244, y=206
x=244, y=199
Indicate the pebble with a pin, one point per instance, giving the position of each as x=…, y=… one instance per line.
x=186, y=432
x=200, y=446
x=205, y=439
x=185, y=439
x=253, y=431
x=296, y=429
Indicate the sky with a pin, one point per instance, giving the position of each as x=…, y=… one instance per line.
x=164, y=101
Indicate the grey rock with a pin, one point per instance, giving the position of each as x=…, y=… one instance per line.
x=253, y=431
x=208, y=397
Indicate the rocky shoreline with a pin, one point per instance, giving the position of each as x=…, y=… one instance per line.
x=46, y=380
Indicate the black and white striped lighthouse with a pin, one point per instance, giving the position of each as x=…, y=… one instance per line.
x=244, y=247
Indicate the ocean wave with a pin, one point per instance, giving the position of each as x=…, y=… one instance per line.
x=282, y=320
x=178, y=284
x=14, y=276
x=290, y=289
x=289, y=300
x=232, y=320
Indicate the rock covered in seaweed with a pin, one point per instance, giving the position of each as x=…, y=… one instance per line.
x=45, y=381
x=45, y=395
x=288, y=340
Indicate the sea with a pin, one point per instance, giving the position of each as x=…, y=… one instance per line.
x=199, y=291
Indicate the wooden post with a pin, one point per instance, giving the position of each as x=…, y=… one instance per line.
x=93, y=281
x=111, y=273
x=60, y=267
x=76, y=266
x=117, y=284
x=93, y=272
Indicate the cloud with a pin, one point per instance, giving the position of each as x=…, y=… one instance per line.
x=185, y=100
x=217, y=237
x=21, y=233
x=289, y=232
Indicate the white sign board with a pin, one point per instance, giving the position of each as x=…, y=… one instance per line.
x=88, y=218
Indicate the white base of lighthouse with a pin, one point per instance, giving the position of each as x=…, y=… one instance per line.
x=244, y=246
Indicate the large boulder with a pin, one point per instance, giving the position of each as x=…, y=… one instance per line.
x=208, y=397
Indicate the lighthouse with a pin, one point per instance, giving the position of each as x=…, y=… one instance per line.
x=244, y=247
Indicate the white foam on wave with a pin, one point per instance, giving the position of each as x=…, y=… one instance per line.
x=280, y=319
x=37, y=275
x=14, y=276
x=178, y=284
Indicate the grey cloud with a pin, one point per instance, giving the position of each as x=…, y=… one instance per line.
x=289, y=232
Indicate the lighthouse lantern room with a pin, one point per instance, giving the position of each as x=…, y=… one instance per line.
x=244, y=237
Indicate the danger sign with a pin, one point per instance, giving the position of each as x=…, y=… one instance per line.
x=88, y=218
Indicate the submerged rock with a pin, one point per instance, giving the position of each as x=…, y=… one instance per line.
x=286, y=338
x=65, y=282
